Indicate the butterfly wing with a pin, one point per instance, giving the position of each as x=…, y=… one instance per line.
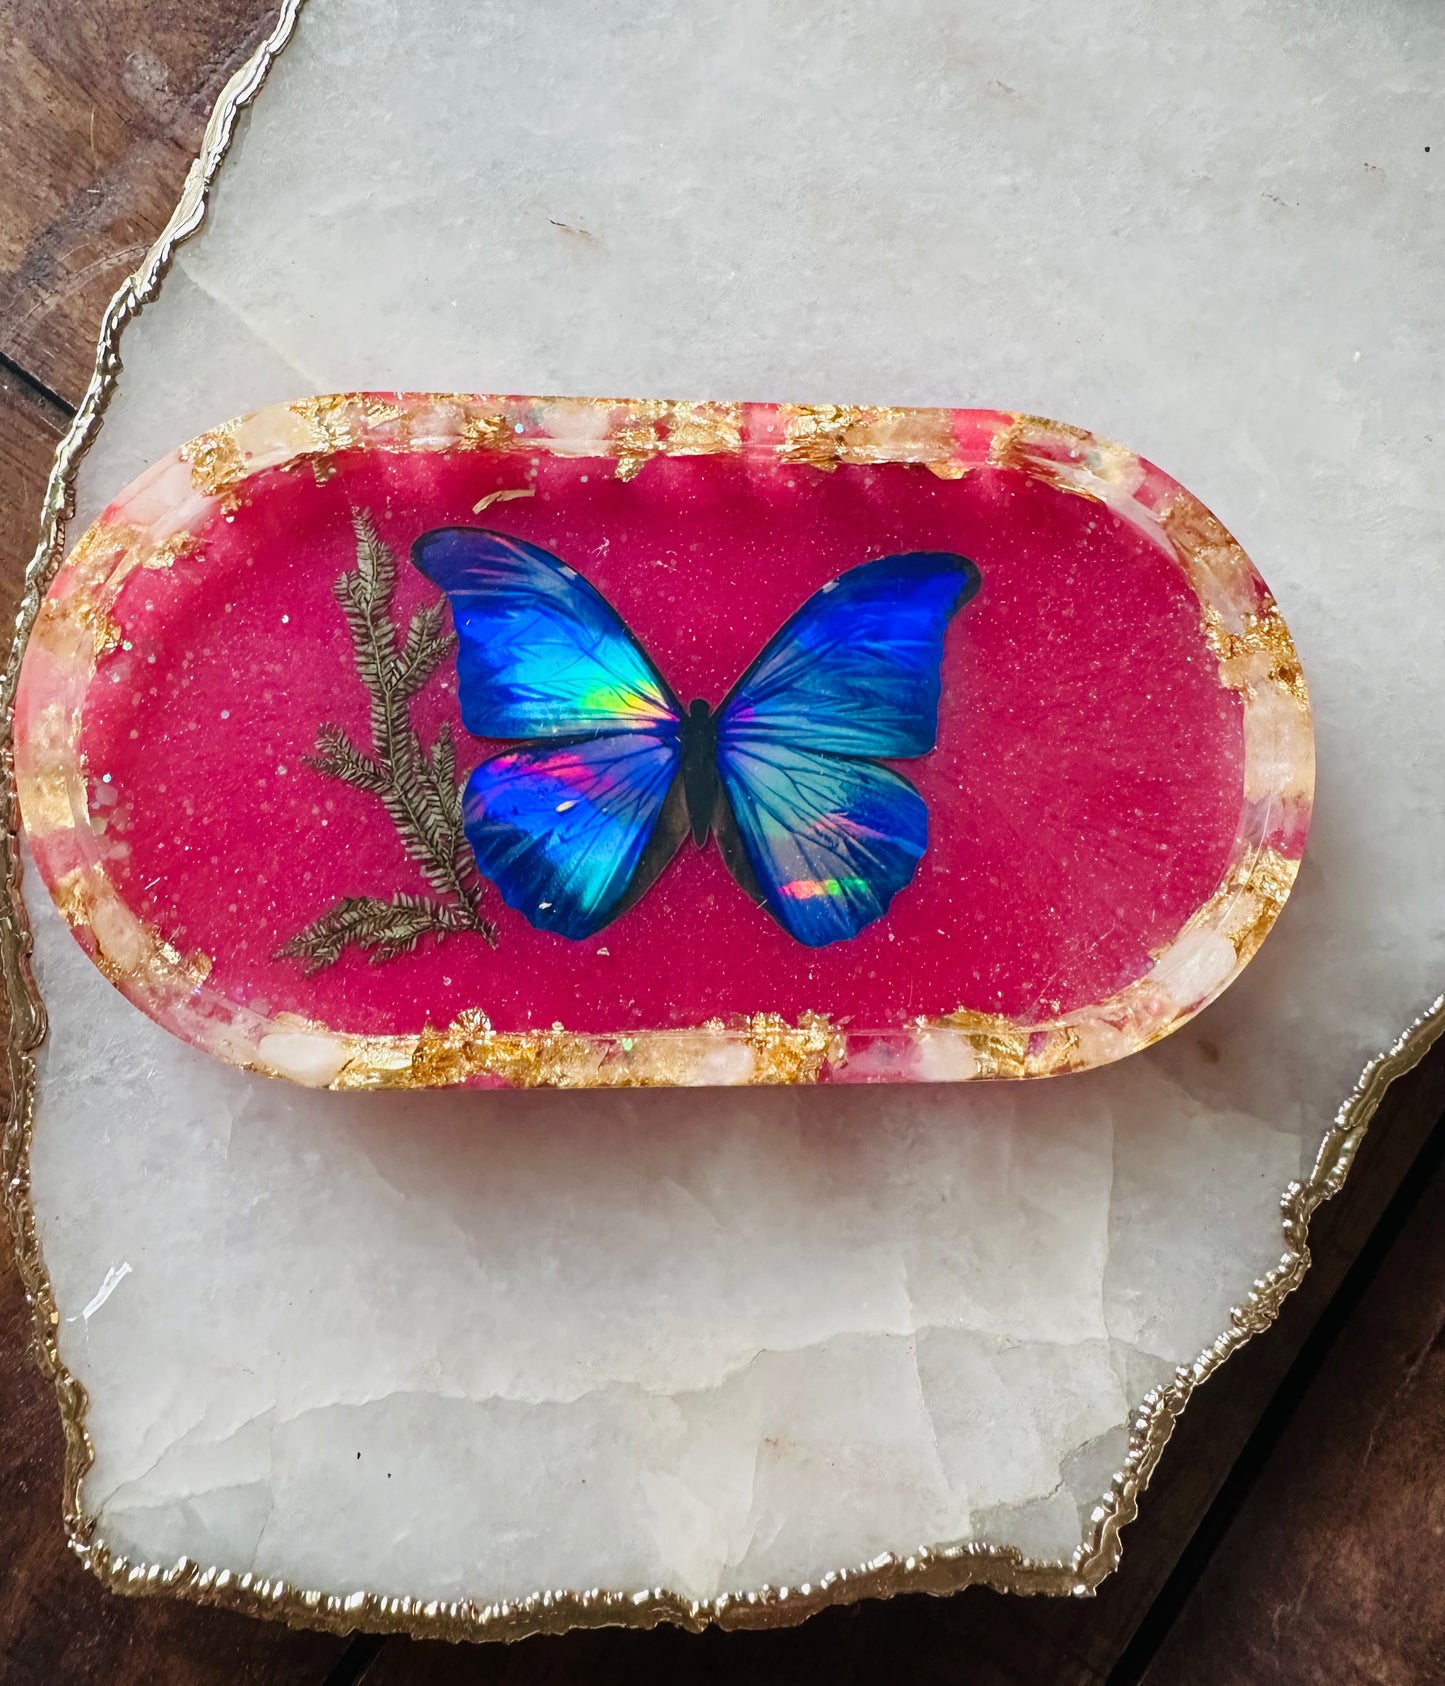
x=830, y=840
x=830, y=836
x=540, y=652
x=562, y=829
x=572, y=828
x=855, y=671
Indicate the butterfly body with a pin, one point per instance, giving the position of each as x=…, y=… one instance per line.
x=786, y=773
x=699, y=767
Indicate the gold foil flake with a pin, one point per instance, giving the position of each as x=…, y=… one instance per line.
x=168, y=552
x=506, y=494
x=766, y=1050
x=1261, y=652
x=784, y=1053
x=486, y=432
x=906, y=436
x=102, y=562
x=68, y=894
x=106, y=556
x=1067, y=458
x=1247, y=938
x=108, y=635
x=131, y=952
x=95, y=554
x=1000, y=1046
x=635, y=436
x=440, y=1058
x=128, y=951
x=1021, y=444
x=330, y=421
x=1055, y=1049
x=696, y=430
x=816, y=434
x=83, y=618
x=217, y=466
x=140, y=554
x=470, y=1048
x=1272, y=874
x=1251, y=901
x=1213, y=558
x=45, y=798
x=378, y=1062
x=643, y=429
x=381, y=413
x=825, y=435
x=1242, y=911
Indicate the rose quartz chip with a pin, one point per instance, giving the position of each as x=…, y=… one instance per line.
x=243, y=791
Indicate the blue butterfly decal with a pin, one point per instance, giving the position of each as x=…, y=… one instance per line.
x=577, y=822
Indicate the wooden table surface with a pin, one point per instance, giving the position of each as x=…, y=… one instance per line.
x=1296, y=1530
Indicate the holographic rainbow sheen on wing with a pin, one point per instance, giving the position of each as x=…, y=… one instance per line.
x=831, y=839
x=801, y=889
x=831, y=836
x=562, y=826
x=540, y=652
x=558, y=828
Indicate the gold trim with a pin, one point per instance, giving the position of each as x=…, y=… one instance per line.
x=938, y=1570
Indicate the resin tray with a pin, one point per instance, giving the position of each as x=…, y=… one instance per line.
x=1040, y=789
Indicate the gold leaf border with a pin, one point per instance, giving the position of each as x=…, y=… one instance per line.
x=941, y=1569
x=1239, y=625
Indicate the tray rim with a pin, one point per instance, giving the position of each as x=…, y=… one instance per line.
x=152, y=522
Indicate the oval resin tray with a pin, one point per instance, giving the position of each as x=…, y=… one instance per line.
x=380, y=741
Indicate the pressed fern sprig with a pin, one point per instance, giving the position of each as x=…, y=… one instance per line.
x=418, y=788
x=386, y=928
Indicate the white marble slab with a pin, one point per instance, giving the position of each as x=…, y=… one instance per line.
x=470, y=1346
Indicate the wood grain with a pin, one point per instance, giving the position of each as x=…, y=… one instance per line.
x=102, y=106
x=30, y=429
x=1334, y=1568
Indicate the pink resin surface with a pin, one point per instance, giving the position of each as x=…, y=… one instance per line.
x=1087, y=796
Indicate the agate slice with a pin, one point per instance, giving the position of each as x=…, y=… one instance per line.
x=382, y=741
